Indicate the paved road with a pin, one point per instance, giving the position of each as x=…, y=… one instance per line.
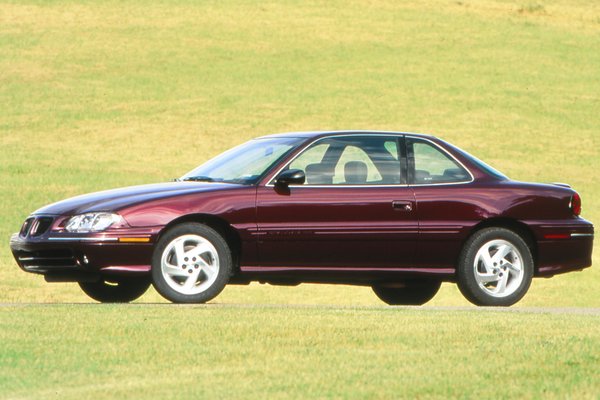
x=534, y=310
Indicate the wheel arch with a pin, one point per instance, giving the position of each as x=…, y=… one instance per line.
x=514, y=225
x=220, y=225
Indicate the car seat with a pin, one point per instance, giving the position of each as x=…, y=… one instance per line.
x=355, y=173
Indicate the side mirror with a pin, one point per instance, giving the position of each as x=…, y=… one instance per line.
x=290, y=177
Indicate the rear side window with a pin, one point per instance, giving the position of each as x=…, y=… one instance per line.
x=431, y=165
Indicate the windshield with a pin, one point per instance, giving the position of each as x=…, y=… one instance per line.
x=244, y=164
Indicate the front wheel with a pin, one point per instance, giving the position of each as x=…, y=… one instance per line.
x=495, y=268
x=191, y=264
x=411, y=293
x=115, y=290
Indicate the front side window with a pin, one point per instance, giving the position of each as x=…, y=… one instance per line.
x=351, y=160
x=432, y=165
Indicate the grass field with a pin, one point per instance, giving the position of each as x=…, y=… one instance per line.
x=298, y=352
x=96, y=95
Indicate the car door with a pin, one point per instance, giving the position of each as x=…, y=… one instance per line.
x=354, y=210
x=445, y=208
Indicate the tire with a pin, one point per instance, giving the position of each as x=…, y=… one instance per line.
x=412, y=293
x=116, y=291
x=191, y=263
x=495, y=268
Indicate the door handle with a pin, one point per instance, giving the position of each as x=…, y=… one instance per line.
x=402, y=205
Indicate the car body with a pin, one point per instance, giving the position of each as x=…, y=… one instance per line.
x=395, y=211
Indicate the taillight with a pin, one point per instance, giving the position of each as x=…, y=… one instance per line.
x=576, y=204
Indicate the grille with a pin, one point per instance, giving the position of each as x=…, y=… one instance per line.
x=26, y=226
x=41, y=226
x=36, y=226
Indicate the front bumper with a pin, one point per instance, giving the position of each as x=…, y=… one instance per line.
x=71, y=256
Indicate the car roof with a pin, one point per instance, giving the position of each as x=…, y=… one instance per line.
x=316, y=134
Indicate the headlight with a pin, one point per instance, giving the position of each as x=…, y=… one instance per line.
x=92, y=222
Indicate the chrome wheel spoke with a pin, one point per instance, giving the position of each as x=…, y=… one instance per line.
x=191, y=281
x=179, y=251
x=173, y=270
x=501, y=252
x=486, y=278
x=501, y=287
x=196, y=260
x=487, y=260
x=201, y=263
x=210, y=271
x=513, y=268
x=201, y=249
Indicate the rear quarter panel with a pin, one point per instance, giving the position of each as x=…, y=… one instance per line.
x=448, y=214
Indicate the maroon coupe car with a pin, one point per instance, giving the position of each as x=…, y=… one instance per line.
x=399, y=212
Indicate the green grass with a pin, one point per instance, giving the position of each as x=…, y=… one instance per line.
x=96, y=95
x=273, y=352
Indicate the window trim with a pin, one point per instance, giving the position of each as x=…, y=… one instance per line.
x=411, y=163
x=401, y=138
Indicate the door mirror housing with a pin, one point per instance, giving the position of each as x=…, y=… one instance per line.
x=290, y=177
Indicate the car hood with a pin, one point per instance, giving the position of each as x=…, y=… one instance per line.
x=116, y=199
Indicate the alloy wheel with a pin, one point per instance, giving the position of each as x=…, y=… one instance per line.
x=498, y=268
x=190, y=264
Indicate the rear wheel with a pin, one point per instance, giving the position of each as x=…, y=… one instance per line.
x=192, y=263
x=115, y=290
x=411, y=293
x=495, y=268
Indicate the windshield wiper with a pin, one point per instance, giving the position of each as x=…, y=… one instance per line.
x=198, y=179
